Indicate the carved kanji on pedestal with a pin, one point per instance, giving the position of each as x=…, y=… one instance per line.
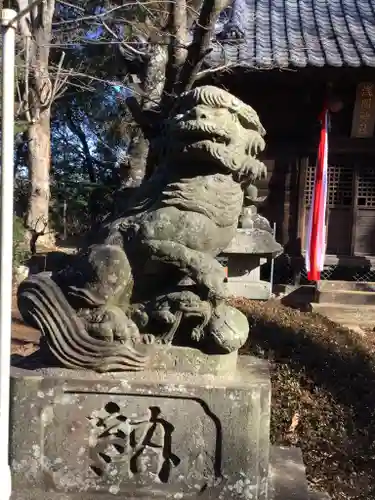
x=136, y=445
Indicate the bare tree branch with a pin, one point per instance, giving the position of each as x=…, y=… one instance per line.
x=56, y=86
x=200, y=45
x=61, y=88
x=24, y=21
x=107, y=12
x=177, y=27
x=126, y=45
x=68, y=4
x=224, y=68
x=27, y=68
x=19, y=95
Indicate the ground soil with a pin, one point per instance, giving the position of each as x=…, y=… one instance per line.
x=323, y=384
x=323, y=391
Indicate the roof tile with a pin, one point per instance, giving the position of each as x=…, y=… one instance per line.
x=298, y=33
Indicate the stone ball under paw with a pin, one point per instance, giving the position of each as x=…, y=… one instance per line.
x=228, y=328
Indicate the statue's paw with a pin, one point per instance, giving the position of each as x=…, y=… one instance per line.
x=165, y=316
x=217, y=291
x=252, y=169
x=147, y=338
x=197, y=334
x=213, y=281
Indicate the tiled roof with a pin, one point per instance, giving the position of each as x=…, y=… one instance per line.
x=297, y=33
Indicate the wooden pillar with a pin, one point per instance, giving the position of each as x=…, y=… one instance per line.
x=354, y=209
x=301, y=206
x=300, y=216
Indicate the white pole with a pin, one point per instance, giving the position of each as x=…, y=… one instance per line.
x=6, y=237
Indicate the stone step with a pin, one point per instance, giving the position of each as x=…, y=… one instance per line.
x=359, y=286
x=355, y=328
x=362, y=315
x=296, y=296
x=318, y=495
x=287, y=477
x=352, y=297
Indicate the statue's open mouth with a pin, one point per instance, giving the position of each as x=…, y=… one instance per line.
x=201, y=132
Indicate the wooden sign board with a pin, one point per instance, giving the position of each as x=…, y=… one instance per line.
x=364, y=110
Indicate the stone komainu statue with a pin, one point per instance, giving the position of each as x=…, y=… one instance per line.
x=152, y=275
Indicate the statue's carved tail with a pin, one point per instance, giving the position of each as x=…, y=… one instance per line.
x=43, y=305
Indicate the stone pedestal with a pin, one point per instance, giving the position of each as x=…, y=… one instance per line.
x=195, y=426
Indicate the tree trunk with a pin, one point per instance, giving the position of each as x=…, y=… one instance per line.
x=172, y=69
x=39, y=149
x=38, y=92
x=136, y=164
x=153, y=88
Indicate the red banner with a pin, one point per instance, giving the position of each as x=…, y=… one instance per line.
x=316, y=230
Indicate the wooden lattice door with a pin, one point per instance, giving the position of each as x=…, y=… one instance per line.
x=365, y=211
x=340, y=204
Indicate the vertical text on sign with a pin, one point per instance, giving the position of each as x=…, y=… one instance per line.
x=364, y=111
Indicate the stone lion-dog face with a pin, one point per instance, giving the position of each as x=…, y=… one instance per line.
x=213, y=126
